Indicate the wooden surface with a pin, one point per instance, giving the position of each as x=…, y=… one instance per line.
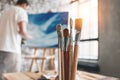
x=81, y=75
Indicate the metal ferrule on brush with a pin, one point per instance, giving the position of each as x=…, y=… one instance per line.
x=66, y=43
x=66, y=39
x=60, y=35
x=77, y=37
x=71, y=38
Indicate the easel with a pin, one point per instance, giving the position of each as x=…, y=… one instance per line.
x=43, y=58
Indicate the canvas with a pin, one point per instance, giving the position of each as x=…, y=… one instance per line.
x=42, y=27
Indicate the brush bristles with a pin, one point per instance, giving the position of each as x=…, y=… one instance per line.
x=66, y=32
x=78, y=24
x=59, y=27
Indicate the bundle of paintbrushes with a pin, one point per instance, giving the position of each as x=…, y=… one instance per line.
x=67, y=52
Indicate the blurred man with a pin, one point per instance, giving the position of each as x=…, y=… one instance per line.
x=13, y=23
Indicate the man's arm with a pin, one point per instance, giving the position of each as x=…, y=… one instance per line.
x=23, y=30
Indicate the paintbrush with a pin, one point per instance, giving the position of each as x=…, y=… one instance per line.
x=66, y=54
x=70, y=48
x=59, y=32
x=78, y=27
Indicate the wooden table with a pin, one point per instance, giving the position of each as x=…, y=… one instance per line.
x=81, y=75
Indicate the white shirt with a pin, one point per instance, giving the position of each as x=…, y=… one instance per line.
x=10, y=39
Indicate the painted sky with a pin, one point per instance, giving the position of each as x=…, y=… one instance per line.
x=42, y=27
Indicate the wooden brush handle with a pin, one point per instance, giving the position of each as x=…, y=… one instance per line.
x=66, y=65
x=62, y=65
x=75, y=61
x=70, y=60
x=59, y=64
